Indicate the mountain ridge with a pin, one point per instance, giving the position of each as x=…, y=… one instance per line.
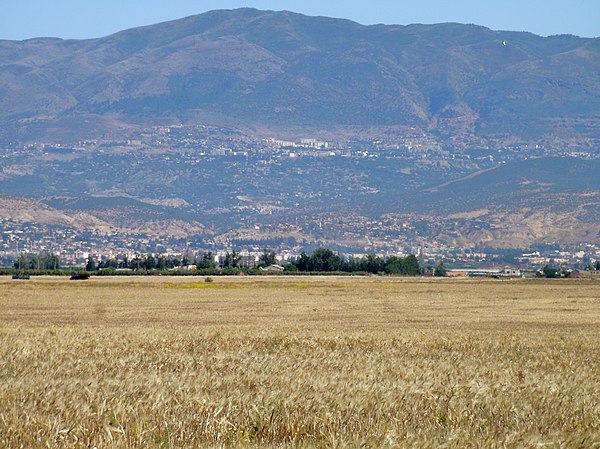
x=282, y=69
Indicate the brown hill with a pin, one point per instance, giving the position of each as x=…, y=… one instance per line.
x=282, y=69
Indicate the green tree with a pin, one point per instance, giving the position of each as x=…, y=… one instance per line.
x=268, y=257
x=303, y=262
x=136, y=263
x=597, y=265
x=208, y=261
x=394, y=265
x=232, y=259
x=411, y=265
x=549, y=272
x=373, y=264
x=323, y=259
x=36, y=261
x=440, y=270
x=290, y=267
x=407, y=266
x=42, y=261
x=150, y=262
x=53, y=262
x=23, y=262
x=91, y=264
x=235, y=259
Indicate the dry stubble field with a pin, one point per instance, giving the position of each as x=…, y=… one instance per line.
x=299, y=362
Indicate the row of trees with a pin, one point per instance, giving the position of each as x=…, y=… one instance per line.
x=326, y=260
x=320, y=260
x=150, y=262
x=552, y=272
x=44, y=261
x=206, y=261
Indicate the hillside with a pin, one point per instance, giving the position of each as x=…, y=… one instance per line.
x=351, y=202
x=531, y=183
x=103, y=215
x=282, y=70
x=517, y=204
x=169, y=135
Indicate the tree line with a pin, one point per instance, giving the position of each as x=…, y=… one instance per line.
x=552, y=272
x=44, y=261
x=325, y=260
x=320, y=260
x=150, y=262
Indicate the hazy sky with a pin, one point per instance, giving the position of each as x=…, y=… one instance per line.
x=23, y=19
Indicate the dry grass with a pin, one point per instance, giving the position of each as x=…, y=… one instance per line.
x=299, y=362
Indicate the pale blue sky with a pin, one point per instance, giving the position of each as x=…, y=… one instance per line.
x=22, y=19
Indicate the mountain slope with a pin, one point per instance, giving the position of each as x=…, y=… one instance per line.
x=535, y=182
x=432, y=131
x=518, y=204
x=283, y=69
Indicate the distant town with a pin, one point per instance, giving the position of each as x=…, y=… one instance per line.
x=75, y=248
x=260, y=222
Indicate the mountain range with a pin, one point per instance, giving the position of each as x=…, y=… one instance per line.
x=280, y=70
x=449, y=132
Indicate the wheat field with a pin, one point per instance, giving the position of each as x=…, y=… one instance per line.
x=302, y=362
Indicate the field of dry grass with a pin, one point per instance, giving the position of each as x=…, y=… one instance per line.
x=299, y=362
